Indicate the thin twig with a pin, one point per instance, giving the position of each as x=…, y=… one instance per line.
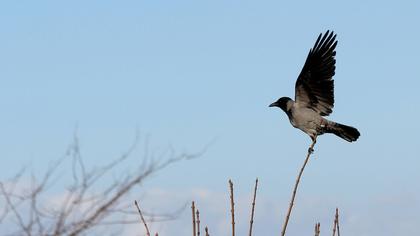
x=13, y=207
x=207, y=231
x=232, y=207
x=338, y=224
x=142, y=218
x=253, y=208
x=317, y=229
x=193, y=218
x=198, y=222
x=335, y=221
x=310, y=150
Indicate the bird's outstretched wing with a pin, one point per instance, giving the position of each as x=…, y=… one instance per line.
x=315, y=87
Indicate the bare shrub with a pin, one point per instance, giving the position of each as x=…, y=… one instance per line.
x=86, y=203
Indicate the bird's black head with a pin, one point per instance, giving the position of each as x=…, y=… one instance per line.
x=282, y=103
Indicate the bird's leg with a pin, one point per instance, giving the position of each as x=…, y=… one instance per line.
x=311, y=148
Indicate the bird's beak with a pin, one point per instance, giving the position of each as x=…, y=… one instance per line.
x=272, y=104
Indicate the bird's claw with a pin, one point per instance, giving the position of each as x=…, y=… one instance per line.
x=310, y=150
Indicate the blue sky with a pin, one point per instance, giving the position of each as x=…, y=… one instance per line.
x=189, y=73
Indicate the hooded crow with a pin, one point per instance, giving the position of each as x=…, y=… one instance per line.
x=314, y=93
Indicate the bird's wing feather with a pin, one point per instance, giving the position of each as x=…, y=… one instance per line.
x=315, y=87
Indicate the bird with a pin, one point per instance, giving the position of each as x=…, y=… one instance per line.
x=314, y=94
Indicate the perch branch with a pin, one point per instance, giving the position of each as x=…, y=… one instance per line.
x=310, y=150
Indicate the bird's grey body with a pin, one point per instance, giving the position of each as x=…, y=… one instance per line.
x=304, y=119
x=314, y=94
x=307, y=120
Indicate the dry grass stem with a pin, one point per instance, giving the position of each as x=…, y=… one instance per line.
x=193, y=218
x=286, y=221
x=253, y=208
x=232, y=207
x=142, y=218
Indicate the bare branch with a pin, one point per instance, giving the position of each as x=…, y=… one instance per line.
x=13, y=208
x=338, y=222
x=310, y=150
x=193, y=218
x=198, y=222
x=317, y=229
x=81, y=206
x=253, y=208
x=142, y=218
x=232, y=207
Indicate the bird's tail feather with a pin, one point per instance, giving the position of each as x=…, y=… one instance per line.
x=345, y=132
